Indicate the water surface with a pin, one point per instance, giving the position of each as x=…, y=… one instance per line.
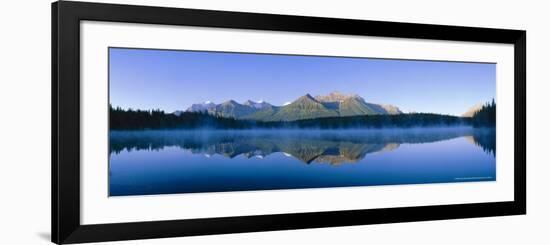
x=181, y=161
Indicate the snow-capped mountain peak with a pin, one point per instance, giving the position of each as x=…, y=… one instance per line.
x=258, y=105
x=207, y=105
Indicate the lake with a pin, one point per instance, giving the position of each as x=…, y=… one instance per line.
x=192, y=161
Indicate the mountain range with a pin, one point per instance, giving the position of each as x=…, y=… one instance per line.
x=334, y=104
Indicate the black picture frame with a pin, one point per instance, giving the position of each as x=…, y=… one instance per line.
x=65, y=167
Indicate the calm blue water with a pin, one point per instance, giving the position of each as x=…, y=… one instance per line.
x=163, y=162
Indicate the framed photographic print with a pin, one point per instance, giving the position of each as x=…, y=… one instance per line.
x=176, y=122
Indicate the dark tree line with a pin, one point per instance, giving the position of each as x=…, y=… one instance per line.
x=486, y=116
x=121, y=119
x=382, y=121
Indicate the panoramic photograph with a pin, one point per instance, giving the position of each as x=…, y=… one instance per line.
x=207, y=121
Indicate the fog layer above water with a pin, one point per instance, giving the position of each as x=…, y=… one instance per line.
x=329, y=146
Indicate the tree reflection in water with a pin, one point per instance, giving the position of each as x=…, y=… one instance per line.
x=309, y=146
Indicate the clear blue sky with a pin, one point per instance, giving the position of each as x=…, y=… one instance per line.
x=173, y=80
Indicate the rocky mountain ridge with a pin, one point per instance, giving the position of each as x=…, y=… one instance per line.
x=334, y=104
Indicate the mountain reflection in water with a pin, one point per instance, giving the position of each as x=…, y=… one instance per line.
x=309, y=146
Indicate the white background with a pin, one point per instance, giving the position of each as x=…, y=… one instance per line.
x=25, y=124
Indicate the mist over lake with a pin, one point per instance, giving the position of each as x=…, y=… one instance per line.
x=148, y=162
